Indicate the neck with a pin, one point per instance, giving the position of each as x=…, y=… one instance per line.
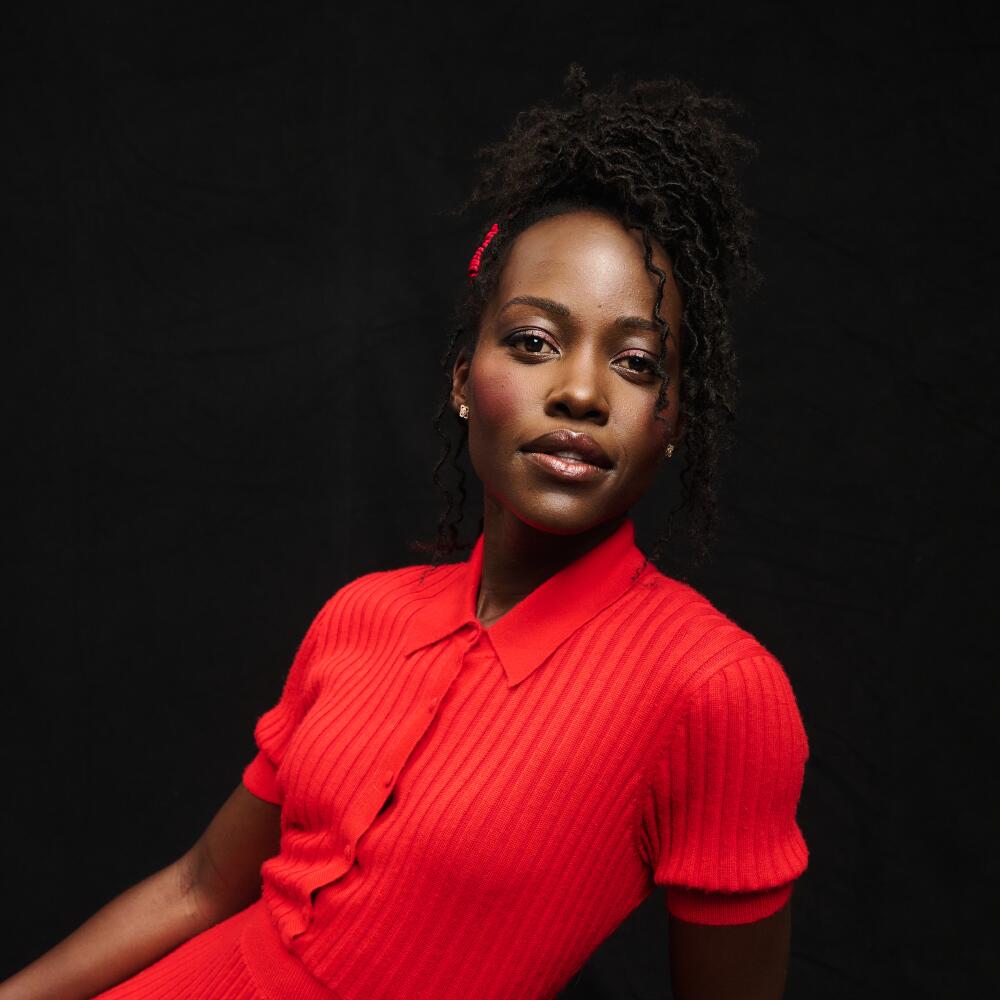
x=518, y=558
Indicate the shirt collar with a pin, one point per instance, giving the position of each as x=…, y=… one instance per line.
x=527, y=634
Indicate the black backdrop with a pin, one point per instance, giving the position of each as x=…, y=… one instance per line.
x=228, y=267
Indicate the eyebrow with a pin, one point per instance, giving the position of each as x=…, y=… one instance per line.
x=558, y=309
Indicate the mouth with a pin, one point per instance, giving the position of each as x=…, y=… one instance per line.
x=566, y=468
x=577, y=453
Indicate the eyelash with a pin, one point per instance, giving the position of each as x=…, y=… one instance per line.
x=519, y=335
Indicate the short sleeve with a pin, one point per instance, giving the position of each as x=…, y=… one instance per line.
x=717, y=824
x=274, y=728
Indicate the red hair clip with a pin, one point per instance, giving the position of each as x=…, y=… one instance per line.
x=474, y=263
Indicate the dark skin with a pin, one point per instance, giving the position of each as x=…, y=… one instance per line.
x=534, y=525
x=585, y=372
x=581, y=368
x=216, y=878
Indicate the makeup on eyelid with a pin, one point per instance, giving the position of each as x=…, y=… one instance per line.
x=519, y=336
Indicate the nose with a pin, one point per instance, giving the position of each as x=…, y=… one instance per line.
x=577, y=388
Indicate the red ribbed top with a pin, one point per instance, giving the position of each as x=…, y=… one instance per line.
x=471, y=811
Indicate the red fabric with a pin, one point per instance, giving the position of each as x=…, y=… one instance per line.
x=471, y=812
x=239, y=958
x=211, y=964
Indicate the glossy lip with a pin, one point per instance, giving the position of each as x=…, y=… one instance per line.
x=590, y=452
x=567, y=469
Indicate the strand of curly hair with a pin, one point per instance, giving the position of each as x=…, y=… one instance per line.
x=661, y=158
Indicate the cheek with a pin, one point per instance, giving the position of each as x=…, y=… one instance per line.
x=500, y=401
x=648, y=436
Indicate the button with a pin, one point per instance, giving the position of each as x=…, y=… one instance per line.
x=387, y=780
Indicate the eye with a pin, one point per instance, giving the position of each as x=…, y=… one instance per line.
x=647, y=364
x=526, y=336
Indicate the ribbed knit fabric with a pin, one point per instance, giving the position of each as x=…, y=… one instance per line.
x=240, y=958
x=209, y=966
x=470, y=812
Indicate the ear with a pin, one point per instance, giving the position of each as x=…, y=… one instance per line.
x=680, y=425
x=677, y=426
x=459, y=377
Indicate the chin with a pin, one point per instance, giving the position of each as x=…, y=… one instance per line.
x=560, y=517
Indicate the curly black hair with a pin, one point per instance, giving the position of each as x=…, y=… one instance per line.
x=659, y=156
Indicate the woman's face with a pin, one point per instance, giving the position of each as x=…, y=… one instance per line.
x=568, y=342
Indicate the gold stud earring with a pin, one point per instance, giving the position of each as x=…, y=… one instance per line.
x=463, y=412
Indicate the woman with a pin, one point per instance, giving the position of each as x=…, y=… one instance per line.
x=477, y=769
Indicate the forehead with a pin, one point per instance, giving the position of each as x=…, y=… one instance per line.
x=587, y=259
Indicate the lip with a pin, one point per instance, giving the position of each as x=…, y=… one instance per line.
x=568, y=469
x=563, y=439
x=593, y=464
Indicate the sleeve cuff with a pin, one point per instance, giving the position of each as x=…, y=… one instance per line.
x=259, y=777
x=698, y=907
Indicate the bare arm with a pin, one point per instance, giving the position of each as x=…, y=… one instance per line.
x=731, y=962
x=217, y=877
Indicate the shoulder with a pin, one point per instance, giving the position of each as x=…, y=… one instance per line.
x=401, y=581
x=692, y=637
x=368, y=598
x=719, y=671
